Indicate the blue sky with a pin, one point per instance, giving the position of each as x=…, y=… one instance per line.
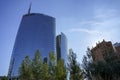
x=84, y=22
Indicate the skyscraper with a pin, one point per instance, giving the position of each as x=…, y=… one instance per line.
x=62, y=48
x=117, y=47
x=36, y=31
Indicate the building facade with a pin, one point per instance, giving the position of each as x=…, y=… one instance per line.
x=36, y=31
x=62, y=48
x=105, y=47
x=117, y=48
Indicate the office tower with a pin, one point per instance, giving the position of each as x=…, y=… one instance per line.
x=36, y=31
x=117, y=47
x=61, y=48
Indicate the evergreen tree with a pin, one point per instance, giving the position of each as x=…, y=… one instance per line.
x=87, y=65
x=108, y=69
x=74, y=67
x=52, y=63
x=60, y=70
x=37, y=66
x=4, y=78
x=25, y=69
x=45, y=75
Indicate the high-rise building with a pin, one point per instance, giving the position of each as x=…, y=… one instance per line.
x=117, y=47
x=61, y=47
x=36, y=31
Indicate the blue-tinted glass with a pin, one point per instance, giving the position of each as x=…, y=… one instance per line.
x=36, y=31
x=64, y=50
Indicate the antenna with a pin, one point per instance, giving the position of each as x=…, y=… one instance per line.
x=29, y=8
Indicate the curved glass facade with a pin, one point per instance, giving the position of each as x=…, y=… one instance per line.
x=36, y=31
x=62, y=48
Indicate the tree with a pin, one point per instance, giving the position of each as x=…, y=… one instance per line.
x=108, y=69
x=4, y=78
x=86, y=69
x=74, y=67
x=30, y=70
x=52, y=62
x=37, y=65
x=87, y=65
x=45, y=75
x=60, y=70
x=25, y=70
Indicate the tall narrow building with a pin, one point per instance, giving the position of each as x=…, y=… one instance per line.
x=62, y=48
x=36, y=31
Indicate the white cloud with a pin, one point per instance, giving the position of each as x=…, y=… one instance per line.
x=102, y=13
x=84, y=30
x=105, y=24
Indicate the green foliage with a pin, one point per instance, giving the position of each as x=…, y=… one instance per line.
x=39, y=70
x=37, y=66
x=45, y=72
x=74, y=67
x=102, y=70
x=25, y=69
x=110, y=68
x=52, y=65
x=52, y=57
x=87, y=65
x=4, y=78
x=60, y=70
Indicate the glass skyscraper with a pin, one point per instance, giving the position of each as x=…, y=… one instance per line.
x=36, y=31
x=62, y=48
